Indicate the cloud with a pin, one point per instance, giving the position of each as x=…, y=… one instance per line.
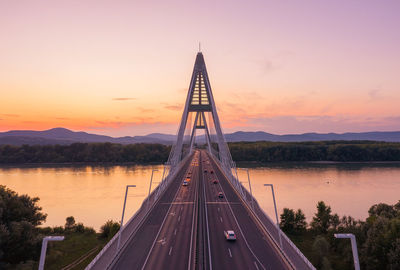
x=375, y=94
x=123, y=99
x=173, y=107
x=11, y=115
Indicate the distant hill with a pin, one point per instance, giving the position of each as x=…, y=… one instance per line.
x=66, y=136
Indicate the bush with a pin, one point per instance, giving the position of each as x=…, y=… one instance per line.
x=109, y=229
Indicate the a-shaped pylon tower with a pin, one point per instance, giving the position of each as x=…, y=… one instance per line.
x=200, y=105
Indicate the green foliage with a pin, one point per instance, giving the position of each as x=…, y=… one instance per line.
x=322, y=219
x=320, y=250
x=378, y=238
x=84, y=152
x=343, y=151
x=19, y=218
x=109, y=229
x=293, y=222
x=69, y=223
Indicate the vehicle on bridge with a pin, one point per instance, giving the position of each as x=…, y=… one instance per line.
x=185, y=183
x=230, y=235
x=220, y=195
x=215, y=181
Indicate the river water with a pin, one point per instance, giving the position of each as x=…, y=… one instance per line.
x=94, y=194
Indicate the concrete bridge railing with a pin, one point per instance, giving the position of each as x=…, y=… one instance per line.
x=109, y=252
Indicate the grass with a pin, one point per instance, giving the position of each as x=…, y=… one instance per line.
x=74, y=246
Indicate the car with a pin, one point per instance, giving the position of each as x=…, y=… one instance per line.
x=215, y=181
x=211, y=171
x=205, y=170
x=220, y=195
x=230, y=235
x=185, y=183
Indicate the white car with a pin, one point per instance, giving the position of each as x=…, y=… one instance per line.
x=185, y=183
x=230, y=235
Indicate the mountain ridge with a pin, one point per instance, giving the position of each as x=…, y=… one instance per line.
x=64, y=136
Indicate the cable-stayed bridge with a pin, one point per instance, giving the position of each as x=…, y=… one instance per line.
x=181, y=224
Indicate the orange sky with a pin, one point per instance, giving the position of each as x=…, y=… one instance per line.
x=123, y=68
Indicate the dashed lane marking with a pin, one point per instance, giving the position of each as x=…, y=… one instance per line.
x=170, y=251
x=220, y=218
x=255, y=263
x=175, y=231
x=230, y=253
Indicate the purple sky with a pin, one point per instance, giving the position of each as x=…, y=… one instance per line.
x=123, y=67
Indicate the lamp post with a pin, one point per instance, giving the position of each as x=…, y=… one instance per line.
x=44, y=248
x=151, y=180
x=276, y=212
x=251, y=192
x=353, y=247
x=122, y=218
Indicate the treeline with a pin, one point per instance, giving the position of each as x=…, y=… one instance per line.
x=84, y=152
x=341, y=151
x=378, y=237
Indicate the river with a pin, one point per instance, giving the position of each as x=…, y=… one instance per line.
x=94, y=194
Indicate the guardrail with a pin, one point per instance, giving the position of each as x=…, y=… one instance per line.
x=293, y=254
x=264, y=217
x=136, y=220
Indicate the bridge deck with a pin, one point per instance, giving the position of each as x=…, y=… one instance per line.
x=184, y=229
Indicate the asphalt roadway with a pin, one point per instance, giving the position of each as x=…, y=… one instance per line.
x=185, y=229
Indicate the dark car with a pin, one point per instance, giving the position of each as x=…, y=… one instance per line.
x=215, y=181
x=220, y=195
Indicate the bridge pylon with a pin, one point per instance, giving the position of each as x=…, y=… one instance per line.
x=200, y=113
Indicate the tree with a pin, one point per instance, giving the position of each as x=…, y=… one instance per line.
x=109, y=229
x=19, y=218
x=320, y=250
x=322, y=219
x=287, y=220
x=293, y=222
x=69, y=223
x=300, y=223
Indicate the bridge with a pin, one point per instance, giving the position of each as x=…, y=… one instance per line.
x=181, y=224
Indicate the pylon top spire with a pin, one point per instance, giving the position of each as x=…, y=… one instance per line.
x=200, y=104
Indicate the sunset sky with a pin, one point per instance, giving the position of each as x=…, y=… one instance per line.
x=123, y=67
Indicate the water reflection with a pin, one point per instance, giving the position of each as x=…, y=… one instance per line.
x=94, y=194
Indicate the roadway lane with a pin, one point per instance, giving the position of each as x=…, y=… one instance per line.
x=172, y=247
x=135, y=252
x=252, y=249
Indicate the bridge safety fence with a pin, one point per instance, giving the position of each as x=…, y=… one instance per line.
x=292, y=253
x=109, y=252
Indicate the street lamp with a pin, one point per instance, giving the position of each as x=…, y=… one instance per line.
x=122, y=218
x=353, y=247
x=151, y=180
x=44, y=248
x=276, y=212
x=251, y=192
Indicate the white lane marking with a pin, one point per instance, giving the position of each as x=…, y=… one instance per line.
x=181, y=208
x=218, y=209
x=170, y=250
x=230, y=253
x=175, y=231
x=161, y=227
x=220, y=218
x=256, y=265
x=179, y=218
x=172, y=214
x=240, y=229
